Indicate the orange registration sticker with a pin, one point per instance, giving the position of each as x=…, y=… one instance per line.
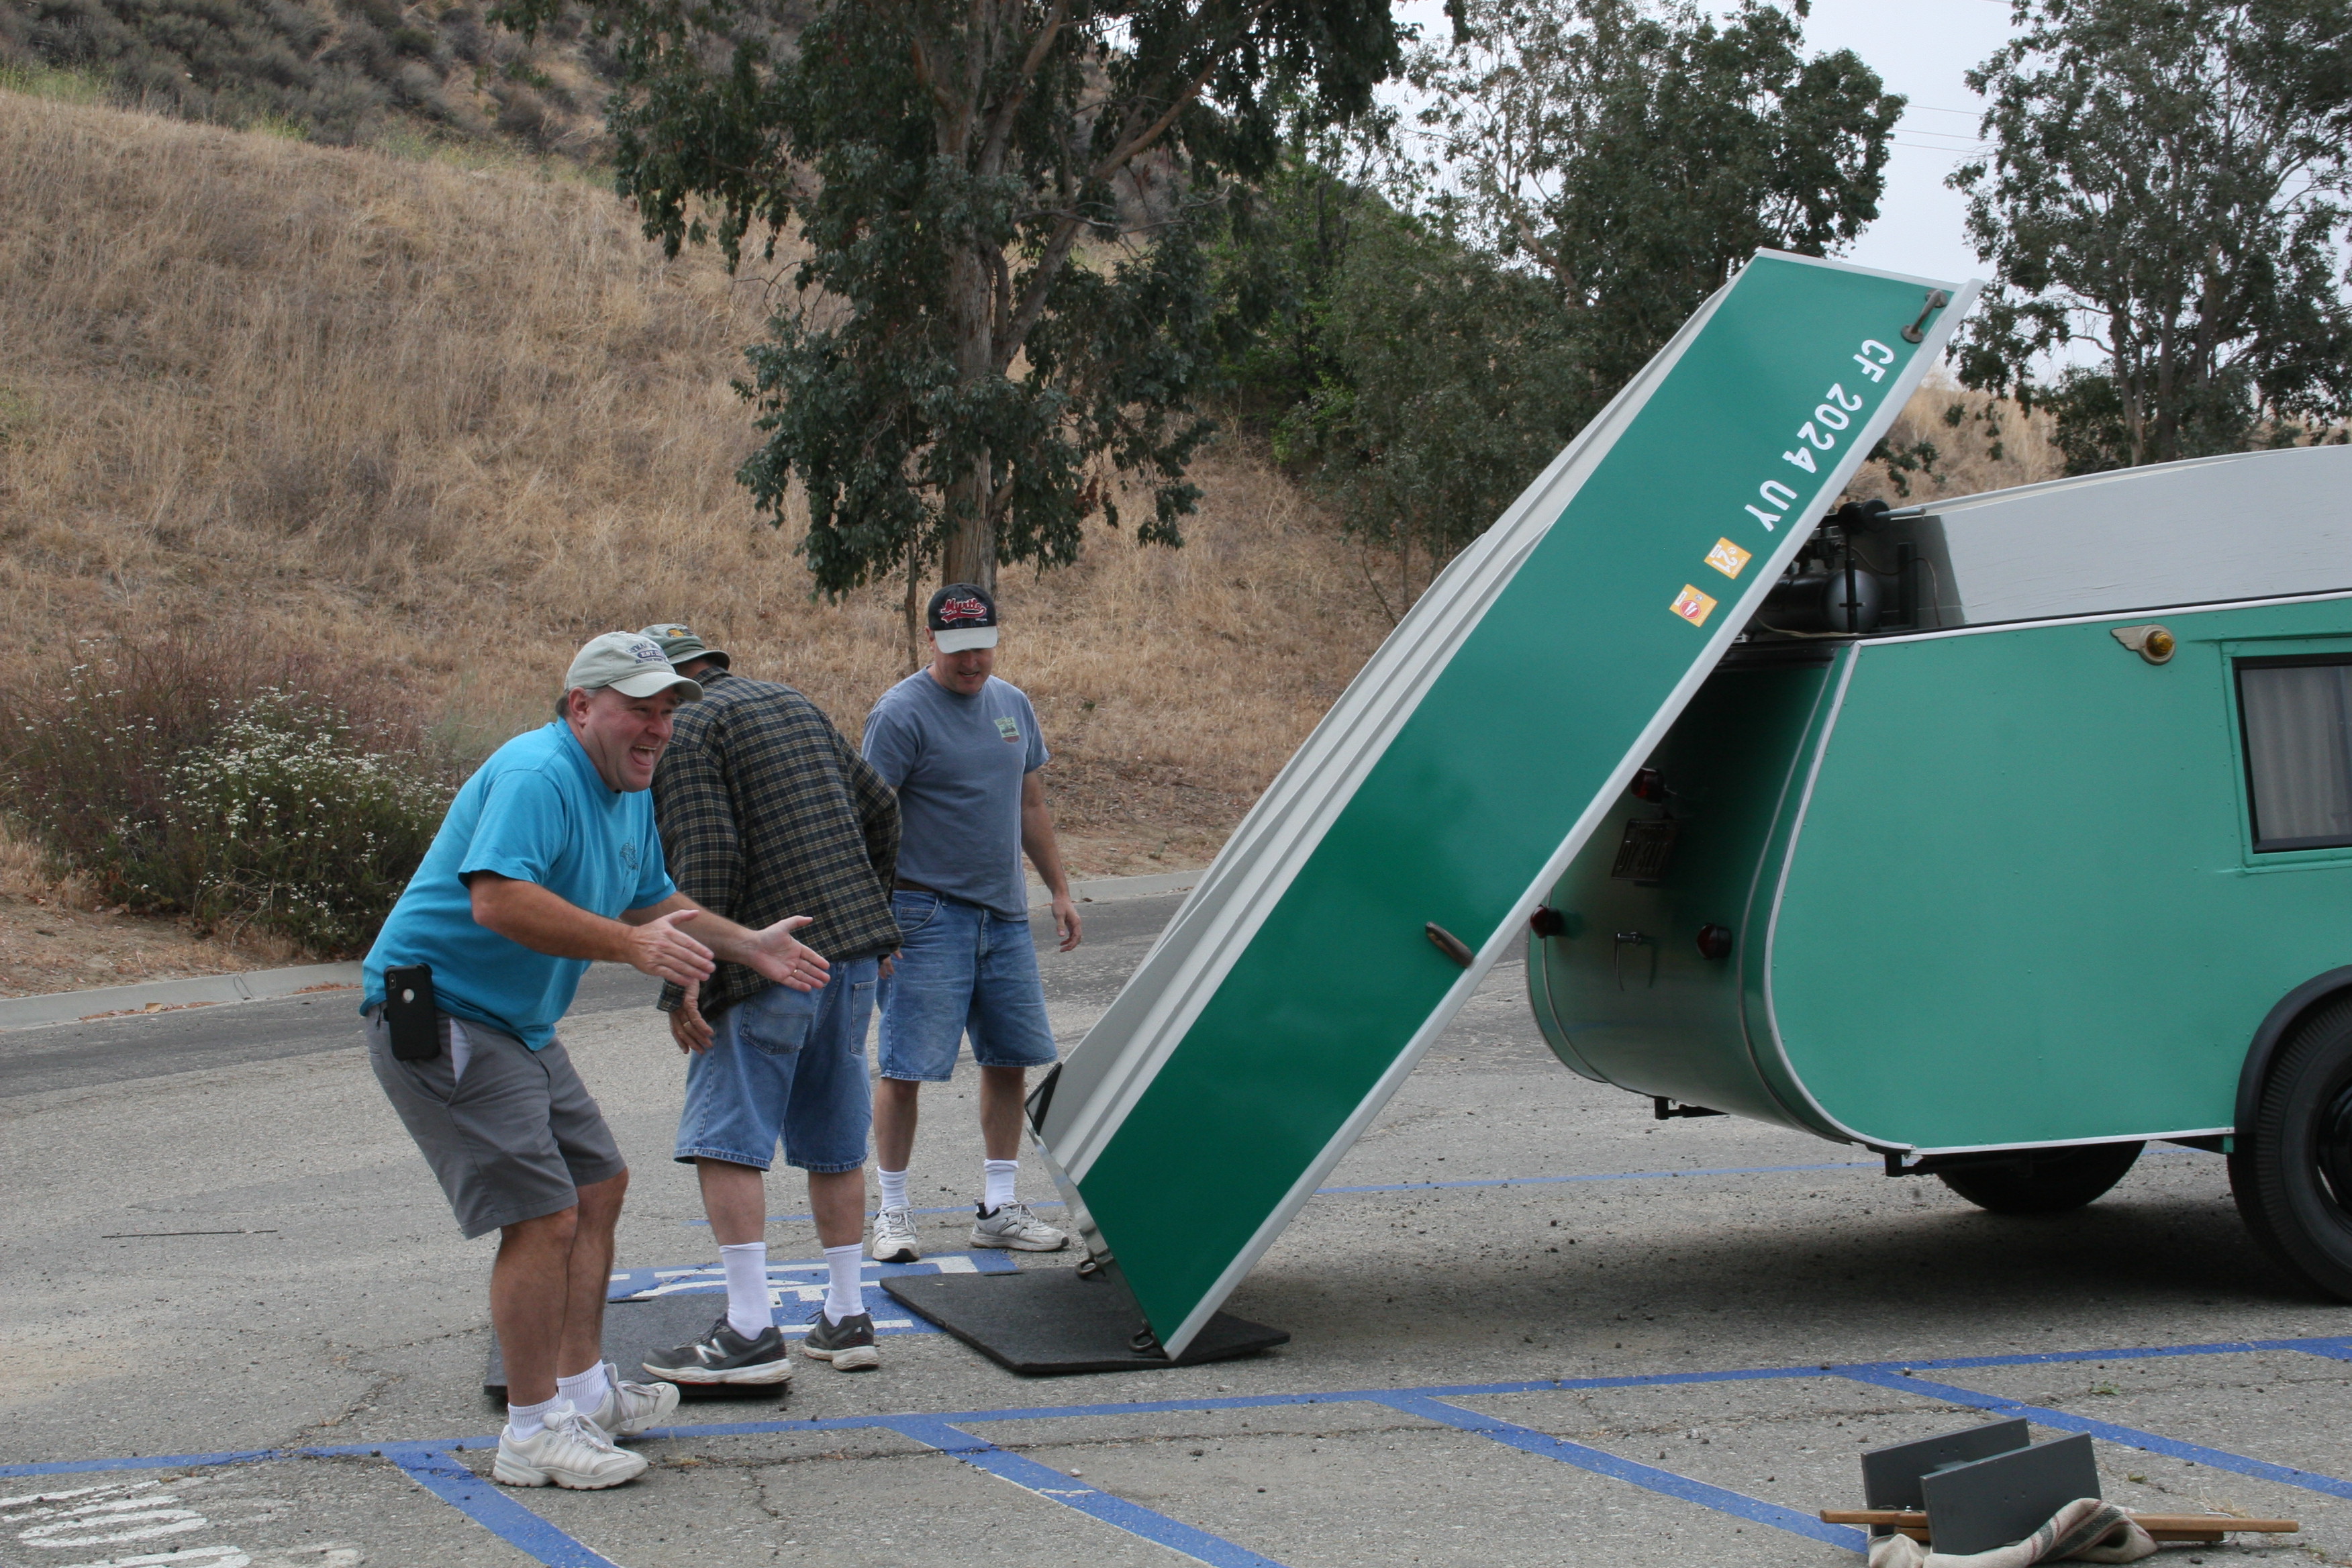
x=1727, y=558
x=1693, y=606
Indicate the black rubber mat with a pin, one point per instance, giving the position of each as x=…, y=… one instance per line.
x=636, y=1330
x=1046, y=1323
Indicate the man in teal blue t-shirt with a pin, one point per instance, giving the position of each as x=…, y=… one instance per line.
x=547, y=861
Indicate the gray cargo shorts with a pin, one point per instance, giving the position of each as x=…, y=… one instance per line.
x=513, y=1138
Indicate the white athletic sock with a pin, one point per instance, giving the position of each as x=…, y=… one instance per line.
x=843, y=1297
x=584, y=1390
x=524, y=1421
x=1000, y=1183
x=746, y=1263
x=894, y=1188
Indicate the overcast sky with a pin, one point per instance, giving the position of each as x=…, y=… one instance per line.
x=1922, y=49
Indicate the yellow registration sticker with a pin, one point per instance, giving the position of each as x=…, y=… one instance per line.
x=1727, y=558
x=1693, y=606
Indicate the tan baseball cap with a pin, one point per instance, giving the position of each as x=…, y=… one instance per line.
x=631, y=664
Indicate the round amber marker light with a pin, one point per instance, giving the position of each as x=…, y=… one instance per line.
x=2158, y=647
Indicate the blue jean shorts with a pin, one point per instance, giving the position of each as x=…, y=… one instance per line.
x=963, y=969
x=787, y=1066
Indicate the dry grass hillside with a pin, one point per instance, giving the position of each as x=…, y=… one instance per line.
x=445, y=423
x=438, y=424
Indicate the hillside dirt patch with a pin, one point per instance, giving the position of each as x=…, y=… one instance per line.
x=55, y=937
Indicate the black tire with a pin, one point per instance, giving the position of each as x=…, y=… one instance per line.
x=2292, y=1170
x=2044, y=1181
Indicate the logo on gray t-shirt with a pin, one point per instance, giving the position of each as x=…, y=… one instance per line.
x=957, y=764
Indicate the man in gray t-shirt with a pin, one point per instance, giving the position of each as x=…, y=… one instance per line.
x=962, y=749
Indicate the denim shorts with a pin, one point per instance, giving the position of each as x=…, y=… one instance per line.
x=789, y=1066
x=963, y=969
x=513, y=1137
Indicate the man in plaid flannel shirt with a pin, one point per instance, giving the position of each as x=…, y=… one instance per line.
x=762, y=805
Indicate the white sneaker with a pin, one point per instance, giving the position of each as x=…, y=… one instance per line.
x=894, y=1238
x=629, y=1408
x=569, y=1450
x=1015, y=1227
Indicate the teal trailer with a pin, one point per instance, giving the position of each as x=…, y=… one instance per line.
x=2013, y=833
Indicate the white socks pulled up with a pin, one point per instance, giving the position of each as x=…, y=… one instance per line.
x=844, y=1297
x=1000, y=1183
x=746, y=1263
x=894, y=1187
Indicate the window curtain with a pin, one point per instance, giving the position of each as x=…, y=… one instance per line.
x=2299, y=752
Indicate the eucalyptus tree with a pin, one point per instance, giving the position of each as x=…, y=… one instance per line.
x=1636, y=154
x=2166, y=185
x=1000, y=305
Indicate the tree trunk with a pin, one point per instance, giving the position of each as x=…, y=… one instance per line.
x=914, y=612
x=971, y=554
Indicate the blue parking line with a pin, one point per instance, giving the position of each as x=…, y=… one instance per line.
x=2128, y=1437
x=1864, y=1371
x=432, y=1463
x=1439, y=1187
x=432, y=1467
x=1647, y=1476
x=1043, y=1480
x=156, y=1462
x=1604, y=1176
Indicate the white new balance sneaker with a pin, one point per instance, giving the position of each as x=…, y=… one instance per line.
x=629, y=1408
x=894, y=1238
x=567, y=1451
x=1015, y=1227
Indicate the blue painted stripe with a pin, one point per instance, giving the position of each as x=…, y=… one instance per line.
x=2128, y=1437
x=482, y=1501
x=156, y=1462
x=1045, y=1481
x=1647, y=1476
x=1606, y=1176
x=1439, y=1187
x=2139, y=1353
x=2330, y=1345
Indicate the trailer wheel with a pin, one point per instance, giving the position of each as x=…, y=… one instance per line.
x=2292, y=1170
x=2044, y=1181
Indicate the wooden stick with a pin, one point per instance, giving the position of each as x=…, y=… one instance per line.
x=2203, y=1528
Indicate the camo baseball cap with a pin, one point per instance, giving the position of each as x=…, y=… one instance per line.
x=631, y=664
x=963, y=615
x=678, y=643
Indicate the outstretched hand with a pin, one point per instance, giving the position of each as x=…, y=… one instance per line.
x=775, y=954
x=663, y=951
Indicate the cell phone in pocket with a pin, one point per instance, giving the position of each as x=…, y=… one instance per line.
x=409, y=1015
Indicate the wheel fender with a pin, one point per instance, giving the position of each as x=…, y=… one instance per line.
x=2276, y=1026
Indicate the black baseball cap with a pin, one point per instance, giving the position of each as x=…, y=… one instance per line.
x=963, y=615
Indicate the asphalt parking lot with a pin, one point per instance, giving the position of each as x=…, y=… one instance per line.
x=1530, y=1324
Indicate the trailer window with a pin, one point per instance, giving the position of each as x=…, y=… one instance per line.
x=2298, y=718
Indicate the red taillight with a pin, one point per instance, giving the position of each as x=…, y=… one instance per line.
x=1650, y=785
x=1714, y=943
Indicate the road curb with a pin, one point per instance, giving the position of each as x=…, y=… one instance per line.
x=1117, y=889
x=261, y=985
x=162, y=995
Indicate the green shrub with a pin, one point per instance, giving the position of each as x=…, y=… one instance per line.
x=286, y=822
x=194, y=775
